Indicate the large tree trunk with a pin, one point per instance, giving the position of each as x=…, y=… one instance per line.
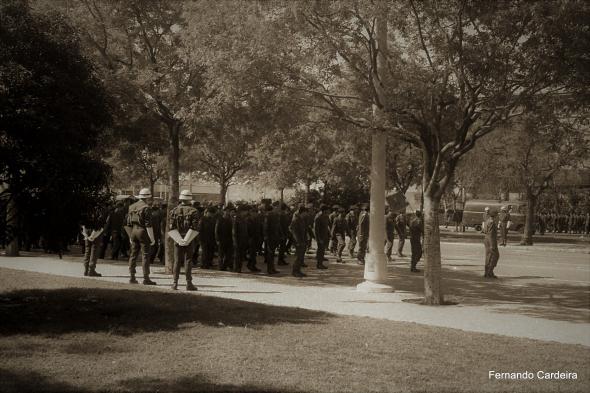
x=12, y=228
x=223, y=192
x=282, y=191
x=433, y=293
x=173, y=184
x=527, y=235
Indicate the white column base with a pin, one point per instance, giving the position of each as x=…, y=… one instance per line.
x=373, y=287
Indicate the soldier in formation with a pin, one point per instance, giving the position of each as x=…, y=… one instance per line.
x=321, y=229
x=490, y=230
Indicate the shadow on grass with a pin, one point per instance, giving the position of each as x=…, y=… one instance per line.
x=126, y=312
x=29, y=381
x=196, y=383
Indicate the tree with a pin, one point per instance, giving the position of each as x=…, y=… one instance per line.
x=53, y=115
x=144, y=63
x=452, y=72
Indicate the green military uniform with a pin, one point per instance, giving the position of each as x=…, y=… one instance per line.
x=352, y=222
x=389, y=234
x=400, y=228
x=139, y=218
x=416, y=228
x=490, y=242
x=240, y=238
x=298, y=229
x=363, y=236
x=272, y=235
x=339, y=229
x=224, y=239
x=183, y=218
x=321, y=229
x=97, y=221
x=504, y=218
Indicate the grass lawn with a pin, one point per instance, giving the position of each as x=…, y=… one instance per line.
x=68, y=334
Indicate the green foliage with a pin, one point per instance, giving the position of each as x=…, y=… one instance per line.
x=53, y=112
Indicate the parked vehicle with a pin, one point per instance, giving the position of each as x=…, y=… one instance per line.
x=474, y=209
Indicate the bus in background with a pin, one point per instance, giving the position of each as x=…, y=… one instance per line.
x=474, y=209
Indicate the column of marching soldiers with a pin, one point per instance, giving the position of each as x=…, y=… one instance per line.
x=237, y=233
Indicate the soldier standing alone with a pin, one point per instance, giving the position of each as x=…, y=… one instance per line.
x=185, y=219
x=142, y=237
x=490, y=242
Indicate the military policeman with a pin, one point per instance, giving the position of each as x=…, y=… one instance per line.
x=321, y=229
x=490, y=230
x=298, y=229
x=416, y=228
x=363, y=234
x=185, y=219
x=93, y=230
x=142, y=235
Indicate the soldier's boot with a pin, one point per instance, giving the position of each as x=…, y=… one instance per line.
x=85, y=269
x=190, y=286
x=175, y=285
x=320, y=265
x=93, y=273
x=299, y=274
x=147, y=281
x=132, y=279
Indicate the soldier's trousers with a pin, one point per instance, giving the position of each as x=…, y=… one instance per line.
x=154, y=250
x=252, y=252
x=116, y=246
x=282, y=250
x=183, y=256
x=333, y=244
x=340, y=245
x=389, y=247
x=400, y=244
x=310, y=237
x=226, y=256
x=352, y=244
x=416, y=245
x=91, y=251
x=492, y=255
x=140, y=241
x=207, y=252
x=503, y=233
x=269, y=254
x=299, y=256
x=240, y=252
x=363, y=243
x=320, y=252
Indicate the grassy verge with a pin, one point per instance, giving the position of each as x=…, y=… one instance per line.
x=68, y=334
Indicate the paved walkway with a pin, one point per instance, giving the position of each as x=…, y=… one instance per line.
x=333, y=290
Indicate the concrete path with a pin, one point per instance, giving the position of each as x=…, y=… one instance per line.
x=333, y=290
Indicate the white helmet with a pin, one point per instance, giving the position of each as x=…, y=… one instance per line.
x=186, y=195
x=145, y=193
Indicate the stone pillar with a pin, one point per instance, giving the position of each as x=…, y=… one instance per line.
x=376, y=262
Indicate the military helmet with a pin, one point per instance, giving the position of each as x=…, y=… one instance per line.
x=186, y=195
x=144, y=193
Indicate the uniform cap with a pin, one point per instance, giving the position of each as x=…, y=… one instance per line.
x=186, y=195
x=230, y=206
x=324, y=207
x=145, y=193
x=487, y=208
